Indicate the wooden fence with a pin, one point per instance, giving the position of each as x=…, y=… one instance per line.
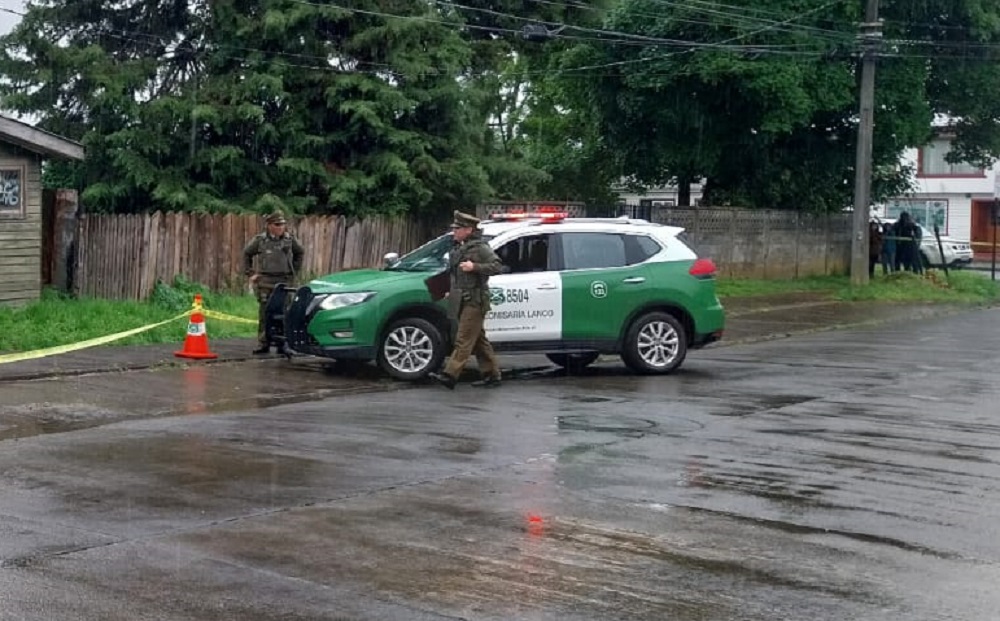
x=123, y=256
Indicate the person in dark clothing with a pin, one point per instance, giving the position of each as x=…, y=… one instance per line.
x=906, y=242
x=889, y=263
x=874, y=246
x=280, y=257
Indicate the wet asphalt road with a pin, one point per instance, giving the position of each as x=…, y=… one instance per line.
x=843, y=475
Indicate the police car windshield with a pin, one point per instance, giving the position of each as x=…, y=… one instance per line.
x=428, y=258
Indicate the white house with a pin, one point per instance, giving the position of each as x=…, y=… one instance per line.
x=658, y=197
x=956, y=197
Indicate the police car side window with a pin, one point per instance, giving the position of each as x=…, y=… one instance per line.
x=582, y=251
x=639, y=248
x=525, y=254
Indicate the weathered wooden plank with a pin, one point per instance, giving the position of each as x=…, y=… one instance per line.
x=152, y=234
x=141, y=232
x=176, y=227
x=9, y=296
x=96, y=256
x=30, y=226
x=162, y=251
x=20, y=273
x=34, y=259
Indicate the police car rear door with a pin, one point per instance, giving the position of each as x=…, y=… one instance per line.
x=603, y=283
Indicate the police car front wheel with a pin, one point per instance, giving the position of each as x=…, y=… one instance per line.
x=411, y=348
x=656, y=343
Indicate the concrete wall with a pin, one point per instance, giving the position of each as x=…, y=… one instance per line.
x=752, y=243
x=21, y=230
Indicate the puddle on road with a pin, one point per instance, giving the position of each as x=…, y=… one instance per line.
x=24, y=421
x=42, y=407
x=172, y=473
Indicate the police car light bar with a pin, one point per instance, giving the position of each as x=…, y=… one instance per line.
x=547, y=215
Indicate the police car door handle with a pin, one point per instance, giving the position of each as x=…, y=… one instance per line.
x=547, y=286
x=634, y=280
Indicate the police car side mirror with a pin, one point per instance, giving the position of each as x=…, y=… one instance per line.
x=391, y=258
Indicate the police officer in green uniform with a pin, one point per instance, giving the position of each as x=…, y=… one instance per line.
x=280, y=262
x=471, y=262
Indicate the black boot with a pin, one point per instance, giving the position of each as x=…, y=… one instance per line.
x=488, y=382
x=262, y=350
x=444, y=379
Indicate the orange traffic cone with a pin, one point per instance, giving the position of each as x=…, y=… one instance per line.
x=196, y=341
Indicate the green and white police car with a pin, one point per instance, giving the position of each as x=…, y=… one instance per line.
x=571, y=288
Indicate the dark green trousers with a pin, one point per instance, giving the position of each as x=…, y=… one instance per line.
x=470, y=338
x=262, y=290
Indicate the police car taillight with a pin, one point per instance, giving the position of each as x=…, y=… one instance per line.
x=703, y=268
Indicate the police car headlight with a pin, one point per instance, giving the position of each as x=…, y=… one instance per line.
x=340, y=300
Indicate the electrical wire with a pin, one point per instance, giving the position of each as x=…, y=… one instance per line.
x=383, y=69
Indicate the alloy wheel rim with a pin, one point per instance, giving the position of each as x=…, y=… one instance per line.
x=658, y=344
x=408, y=349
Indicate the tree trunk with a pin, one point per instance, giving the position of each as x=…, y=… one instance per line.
x=684, y=191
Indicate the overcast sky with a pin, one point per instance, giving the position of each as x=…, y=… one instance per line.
x=7, y=20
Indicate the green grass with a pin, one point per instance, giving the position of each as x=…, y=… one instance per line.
x=962, y=286
x=58, y=320
x=750, y=287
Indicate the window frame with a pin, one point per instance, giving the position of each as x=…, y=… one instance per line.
x=922, y=159
x=552, y=265
x=561, y=263
x=20, y=212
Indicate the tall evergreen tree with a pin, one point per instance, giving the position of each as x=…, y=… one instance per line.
x=216, y=105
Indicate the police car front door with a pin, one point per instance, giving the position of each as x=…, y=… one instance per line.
x=526, y=300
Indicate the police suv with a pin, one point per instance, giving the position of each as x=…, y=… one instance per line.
x=571, y=288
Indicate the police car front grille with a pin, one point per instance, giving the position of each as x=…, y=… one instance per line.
x=297, y=319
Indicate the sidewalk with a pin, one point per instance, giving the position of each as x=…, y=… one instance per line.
x=748, y=320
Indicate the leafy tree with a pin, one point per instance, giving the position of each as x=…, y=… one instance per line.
x=504, y=72
x=216, y=105
x=760, y=98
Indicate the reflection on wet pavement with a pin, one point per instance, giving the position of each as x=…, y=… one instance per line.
x=850, y=475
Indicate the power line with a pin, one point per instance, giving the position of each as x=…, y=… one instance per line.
x=385, y=69
x=736, y=38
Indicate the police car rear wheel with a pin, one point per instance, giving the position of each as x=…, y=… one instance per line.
x=573, y=363
x=655, y=344
x=410, y=349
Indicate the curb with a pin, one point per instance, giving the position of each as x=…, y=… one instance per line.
x=140, y=366
x=926, y=313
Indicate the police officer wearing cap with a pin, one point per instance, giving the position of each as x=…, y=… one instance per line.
x=280, y=262
x=471, y=262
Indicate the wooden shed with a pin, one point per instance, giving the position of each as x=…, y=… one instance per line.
x=22, y=150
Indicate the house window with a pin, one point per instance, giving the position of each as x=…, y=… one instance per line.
x=11, y=191
x=928, y=212
x=932, y=162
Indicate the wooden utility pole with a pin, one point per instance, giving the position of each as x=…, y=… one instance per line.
x=871, y=35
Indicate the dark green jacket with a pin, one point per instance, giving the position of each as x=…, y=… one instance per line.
x=279, y=256
x=471, y=287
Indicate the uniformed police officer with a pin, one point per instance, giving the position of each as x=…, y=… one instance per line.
x=280, y=262
x=471, y=262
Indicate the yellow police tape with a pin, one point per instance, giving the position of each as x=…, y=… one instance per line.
x=103, y=340
x=225, y=317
